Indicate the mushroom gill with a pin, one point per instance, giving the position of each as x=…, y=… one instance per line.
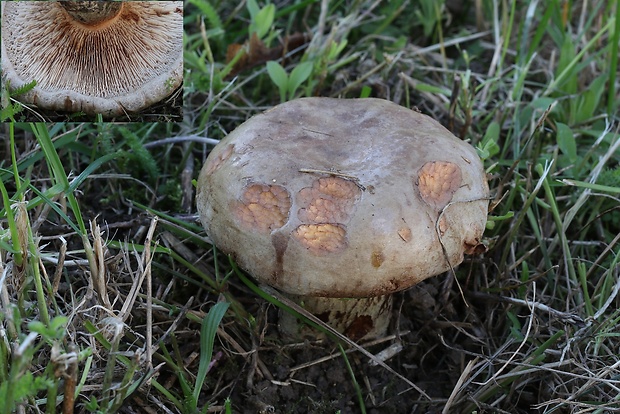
x=105, y=61
x=93, y=56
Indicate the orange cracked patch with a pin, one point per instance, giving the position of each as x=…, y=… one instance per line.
x=438, y=181
x=322, y=238
x=263, y=208
x=329, y=200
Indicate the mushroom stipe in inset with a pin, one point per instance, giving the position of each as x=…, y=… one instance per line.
x=378, y=198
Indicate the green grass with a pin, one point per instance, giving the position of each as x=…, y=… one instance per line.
x=112, y=298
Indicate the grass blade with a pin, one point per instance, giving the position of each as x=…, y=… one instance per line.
x=207, y=338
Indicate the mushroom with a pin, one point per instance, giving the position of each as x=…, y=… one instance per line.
x=341, y=202
x=93, y=56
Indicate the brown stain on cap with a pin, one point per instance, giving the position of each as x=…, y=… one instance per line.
x=377, y=258
x=280, y=243
x=405, y=234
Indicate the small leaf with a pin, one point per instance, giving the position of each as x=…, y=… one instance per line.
x=38, y=327
x=542, y=103
x=298, y=76
x=590, y=100
x=263, y=21
x=209, y=12
x=279, y=77
x=207, y=338
x=566, y=141
x=253, y=8
x=515, y=329
x=566, y=63
x=426, y=87
x=335, y=49
x=489, y=143
x=57, y=325
x=365, y=92
x=27, y=87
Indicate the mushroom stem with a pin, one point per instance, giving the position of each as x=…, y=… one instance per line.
x=92, y=13
x=357, y=318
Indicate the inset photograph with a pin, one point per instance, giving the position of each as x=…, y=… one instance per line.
x=116, y=61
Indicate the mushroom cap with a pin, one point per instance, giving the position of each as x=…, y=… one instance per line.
x=343, y=198
x=122, y=64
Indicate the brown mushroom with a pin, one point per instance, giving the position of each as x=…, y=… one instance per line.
x=328, y=199
x=93, y=56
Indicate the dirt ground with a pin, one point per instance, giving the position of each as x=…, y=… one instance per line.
x=311, y=376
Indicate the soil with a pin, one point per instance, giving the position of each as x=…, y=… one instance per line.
x=312, y=377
